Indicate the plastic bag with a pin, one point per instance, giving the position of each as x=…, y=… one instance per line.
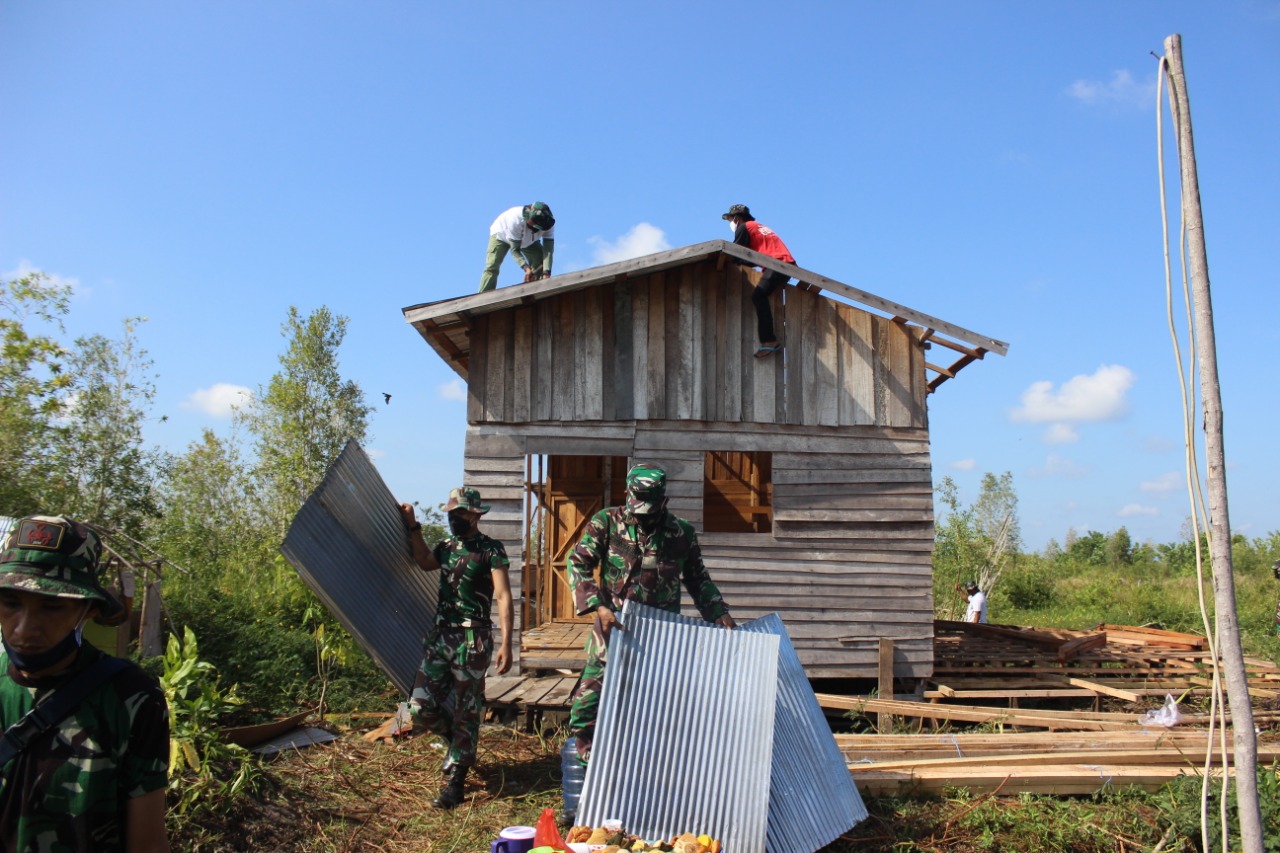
x=1167, y=715
x=546, y=833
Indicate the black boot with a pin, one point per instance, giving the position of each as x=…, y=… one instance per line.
x=452, y=794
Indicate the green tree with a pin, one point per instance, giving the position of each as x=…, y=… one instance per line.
x=1119, y=548
x=306, y=413
x=107, y=471
x=212, y=523
x=32, y=376
x=977, y=542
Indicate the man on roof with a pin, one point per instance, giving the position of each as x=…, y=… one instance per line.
x=457, y=651
x=528, y=232
x=90, y=772
x=643, y=553
x=761, y=238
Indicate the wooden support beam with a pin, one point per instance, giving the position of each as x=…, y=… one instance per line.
x=884, y=721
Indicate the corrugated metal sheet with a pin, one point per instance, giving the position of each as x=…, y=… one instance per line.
x=689, y=716
x=685, y=728
x=6, y=524
x=348, y=543
x=812, y=797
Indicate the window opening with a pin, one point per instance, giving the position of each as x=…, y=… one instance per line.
x=738, y=492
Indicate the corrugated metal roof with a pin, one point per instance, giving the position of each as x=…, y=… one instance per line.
x=6, y=524
x=689, y=716
x=684, y=731
x=812, y=796
x=348, y=543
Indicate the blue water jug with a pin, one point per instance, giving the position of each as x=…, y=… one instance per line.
x=572, y=774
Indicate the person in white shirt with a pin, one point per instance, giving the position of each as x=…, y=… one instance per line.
x=528, y=232
x=977, y=608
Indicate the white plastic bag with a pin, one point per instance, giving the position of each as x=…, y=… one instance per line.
x=1166, y=715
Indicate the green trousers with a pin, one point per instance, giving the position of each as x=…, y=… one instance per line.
x=528, y=256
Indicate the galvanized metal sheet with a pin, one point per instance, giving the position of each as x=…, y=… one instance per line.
x=685, y=730
x=812, y=797
x=348, y=543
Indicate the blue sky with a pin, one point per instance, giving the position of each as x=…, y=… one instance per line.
x=207, y=165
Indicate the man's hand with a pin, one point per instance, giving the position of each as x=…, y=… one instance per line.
x=726, y=621
x=529, y=275
x=503, y=660
x=409, y=517
x=544, y=274
x=607, y=619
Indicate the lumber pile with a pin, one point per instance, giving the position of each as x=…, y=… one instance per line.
x=1039, y=763
x=988, y=663
x=986, y=676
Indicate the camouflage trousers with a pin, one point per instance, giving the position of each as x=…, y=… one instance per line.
x=586, y=697
x=454, y=662
x=1278, y=615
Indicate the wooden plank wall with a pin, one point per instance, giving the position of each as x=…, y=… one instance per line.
x=850, y=557
x=678, y=344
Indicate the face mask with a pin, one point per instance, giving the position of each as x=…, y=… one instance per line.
x=648, y=523
x=733, y=226
x=458, y=525
x=41, y=661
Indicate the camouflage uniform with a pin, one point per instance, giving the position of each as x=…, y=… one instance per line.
x=67, y=791
x=633, y=566
x=457, y=651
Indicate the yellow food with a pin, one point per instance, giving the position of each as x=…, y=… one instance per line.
x=599, y=836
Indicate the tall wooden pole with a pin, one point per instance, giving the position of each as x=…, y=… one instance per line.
x=1230, y=652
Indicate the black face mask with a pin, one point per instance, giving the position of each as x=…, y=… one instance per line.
x=41, y=661
x=649, y=521
x=459, y=526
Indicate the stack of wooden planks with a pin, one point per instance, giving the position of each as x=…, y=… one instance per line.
x=1038, y=763
x=1130, y=663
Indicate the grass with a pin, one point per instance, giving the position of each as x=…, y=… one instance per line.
x=353, y=795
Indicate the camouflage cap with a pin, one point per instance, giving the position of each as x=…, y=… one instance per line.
x=646, y=489
x=464, y=498
x=53, y=555
x=738, y=210
x=971, y=587
x=539, y=216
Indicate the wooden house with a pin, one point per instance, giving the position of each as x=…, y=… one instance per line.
x=808, y=473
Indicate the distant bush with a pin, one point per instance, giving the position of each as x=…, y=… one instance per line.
x=1028, y=589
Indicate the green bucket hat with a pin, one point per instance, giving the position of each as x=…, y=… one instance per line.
x=646, y=489
x=55, y=556
x=464, y=498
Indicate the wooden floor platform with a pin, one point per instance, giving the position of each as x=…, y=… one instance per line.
x=974, y=664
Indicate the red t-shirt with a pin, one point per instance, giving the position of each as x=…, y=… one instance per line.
x=763, y=240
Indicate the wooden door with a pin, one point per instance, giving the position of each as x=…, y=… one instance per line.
x=564, y=494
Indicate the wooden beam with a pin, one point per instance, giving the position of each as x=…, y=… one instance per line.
x=884, y=722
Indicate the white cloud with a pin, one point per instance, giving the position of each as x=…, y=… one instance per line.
x=1131, y=510
x=1164, y=484
x=25, y=268
x=964, y=464
x=643, y=239
x=1121, y=90
x=1061, y=434
x=1081, y=399
x=1058, y=466
x=452, y=390
x=218, y=400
